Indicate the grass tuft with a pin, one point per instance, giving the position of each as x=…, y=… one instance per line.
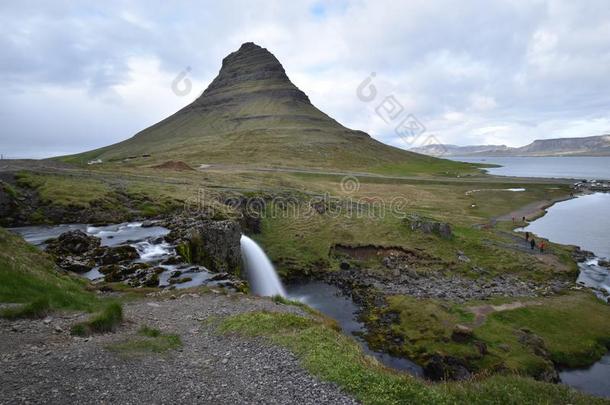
x=106, y=321
x=36, y=309
x=150, y=340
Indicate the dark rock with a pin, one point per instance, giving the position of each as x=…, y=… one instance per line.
x=116, y=254
x=344, y=266
x=216, y=245
x=110, y=268
x=461, y=333
x=72, y=243
x=462, y=257
x=172, y=260
x=180, y=280
x=481, y=347
x=581, y=255
x=604, y=263
x=442, y=368
x=175, y=273
x=534, y=342
x=76, y=265
x=219, y=276
x=425, y=225
x=251, y=222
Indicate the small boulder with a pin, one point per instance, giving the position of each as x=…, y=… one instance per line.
x=442, y=368
x=116, y=254
x=74, y=242
x=461, y=333
x=76, y=265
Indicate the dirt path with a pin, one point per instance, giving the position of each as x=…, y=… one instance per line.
x=481, y=312
x=41, y=363
x=531, y=211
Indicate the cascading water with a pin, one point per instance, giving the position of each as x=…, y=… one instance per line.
x=261, y=274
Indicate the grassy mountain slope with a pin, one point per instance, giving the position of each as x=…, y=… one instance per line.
x=253, y=114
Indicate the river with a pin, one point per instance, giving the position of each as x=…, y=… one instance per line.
x=333, y=303
x=576, y=167
x=583, y=221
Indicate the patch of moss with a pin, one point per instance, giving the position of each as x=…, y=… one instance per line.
x=150, y=340
x=184, y=251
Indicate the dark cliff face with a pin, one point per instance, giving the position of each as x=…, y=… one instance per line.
x=251, y=71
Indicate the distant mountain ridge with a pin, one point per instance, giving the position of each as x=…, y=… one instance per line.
x=588, y=146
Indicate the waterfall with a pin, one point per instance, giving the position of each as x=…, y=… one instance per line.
x=261, y=274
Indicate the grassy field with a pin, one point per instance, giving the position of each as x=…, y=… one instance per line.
x=567, y=330
x=334, y=357
x=28, y=276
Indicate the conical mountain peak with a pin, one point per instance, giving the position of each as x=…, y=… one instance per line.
x=252, y=68
x=252, y=113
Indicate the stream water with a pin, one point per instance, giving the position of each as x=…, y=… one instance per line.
x=148, y=241
x=583, y=221
x=330, y=301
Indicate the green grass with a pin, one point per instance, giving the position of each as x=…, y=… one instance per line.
x=8, y=189
x=150, y=340
x=334, y=357
x=35, y=309
x=64, y=189
x=105, y=321
x=28, y=276
x=572, y=328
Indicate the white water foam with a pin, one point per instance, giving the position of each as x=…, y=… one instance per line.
x=261, y=274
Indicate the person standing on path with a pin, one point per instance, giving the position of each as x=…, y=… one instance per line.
x=527, y=237
x=541, y=247
x=533, y=243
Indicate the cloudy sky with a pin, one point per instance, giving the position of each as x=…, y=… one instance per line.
x=79, y=75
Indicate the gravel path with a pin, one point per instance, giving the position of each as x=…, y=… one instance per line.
x=41, y=363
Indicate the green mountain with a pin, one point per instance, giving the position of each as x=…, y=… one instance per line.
x=252, y=114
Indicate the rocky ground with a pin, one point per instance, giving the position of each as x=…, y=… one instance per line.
x=40, y=362
x=453, y=288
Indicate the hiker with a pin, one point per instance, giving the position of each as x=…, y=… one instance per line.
x=527, y=236
x=532, y=243
x=542, y=247
x=523, y=219
x=513, y=220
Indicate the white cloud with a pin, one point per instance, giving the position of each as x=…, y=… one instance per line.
x=500, y=72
